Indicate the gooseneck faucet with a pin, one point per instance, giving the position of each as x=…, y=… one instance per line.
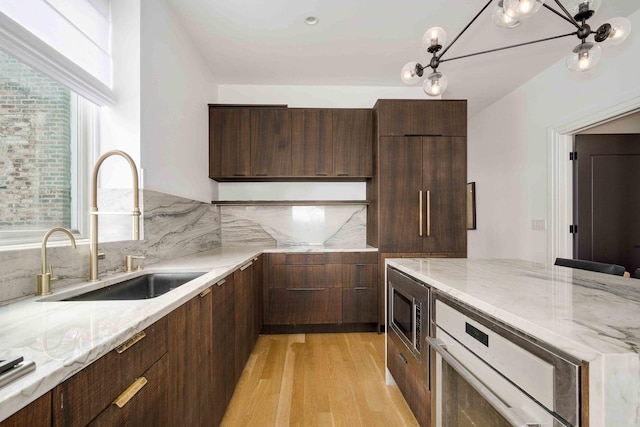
x=45, y=278
x=93, y=245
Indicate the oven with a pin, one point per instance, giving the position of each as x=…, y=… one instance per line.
x=489, y=375
x=408, y=311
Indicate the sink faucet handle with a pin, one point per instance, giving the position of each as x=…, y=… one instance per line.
x=129, y=263
x=52, y=278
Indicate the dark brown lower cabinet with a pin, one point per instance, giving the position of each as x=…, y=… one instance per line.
x=35, y=414
x=223, y=359
x=411, y=379
x=83, y=397
x=149, y=404
x=331, y=288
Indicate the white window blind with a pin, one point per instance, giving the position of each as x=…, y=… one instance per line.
x=69, y=40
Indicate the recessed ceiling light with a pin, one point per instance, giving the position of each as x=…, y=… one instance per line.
x=311, y=20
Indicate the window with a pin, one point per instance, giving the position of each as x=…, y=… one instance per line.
x=45, y=129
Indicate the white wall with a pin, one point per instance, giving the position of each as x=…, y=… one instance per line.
x=508, y=143
x=176, y=87
x=120, y=125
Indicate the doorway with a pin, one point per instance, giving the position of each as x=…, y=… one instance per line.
x=606, y=189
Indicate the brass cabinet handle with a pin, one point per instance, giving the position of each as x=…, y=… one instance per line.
x=247, y=265
x=221, y=282
x=420, y=214
x=205, y=292
x=131, y=391
x=428, y=213
x=130, y=342
x=360, y=288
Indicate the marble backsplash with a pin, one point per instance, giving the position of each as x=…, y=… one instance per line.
x=173, y=227
x=331, y=225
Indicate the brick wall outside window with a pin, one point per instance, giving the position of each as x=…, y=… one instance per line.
x=35, y=153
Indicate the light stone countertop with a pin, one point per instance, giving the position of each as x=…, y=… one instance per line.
x=63, y=337
x=594, y=317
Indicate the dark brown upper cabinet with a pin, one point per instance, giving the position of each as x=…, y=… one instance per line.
x=352, y=142
x=274, y=142
x=311, y=142
x=270, y=142
x=229, y=142
x=403, y=117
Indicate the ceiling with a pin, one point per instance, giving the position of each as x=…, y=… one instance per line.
x=367, y=42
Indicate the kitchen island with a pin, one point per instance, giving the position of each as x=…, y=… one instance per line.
x=593, y=317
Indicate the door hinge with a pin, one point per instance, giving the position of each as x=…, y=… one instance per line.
x=573, y=229
x=573, y=155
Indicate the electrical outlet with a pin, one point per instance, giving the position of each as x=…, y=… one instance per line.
x=539, y=224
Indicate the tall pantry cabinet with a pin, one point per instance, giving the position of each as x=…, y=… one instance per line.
x=418, y=191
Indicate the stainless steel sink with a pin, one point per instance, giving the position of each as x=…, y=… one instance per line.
x=142, y=287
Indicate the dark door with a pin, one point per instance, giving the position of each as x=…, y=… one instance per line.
x=400, y=160
x=445, y=179
x=270, y=142
x=607, y=199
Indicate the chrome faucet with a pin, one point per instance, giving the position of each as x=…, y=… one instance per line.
x=93, y=245
x=45, y=278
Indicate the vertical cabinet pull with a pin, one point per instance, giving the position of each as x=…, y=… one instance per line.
x=131, y=391
x=130, y=342
x=428, y=213
x=420, y=214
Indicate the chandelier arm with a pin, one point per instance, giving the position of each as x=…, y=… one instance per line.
x=571, y=21
x=464, y=29
x=508, y=47
x=566, y=12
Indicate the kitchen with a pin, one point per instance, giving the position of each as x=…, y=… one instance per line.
x=172, y=149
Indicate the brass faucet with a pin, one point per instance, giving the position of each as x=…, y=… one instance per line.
x=45, y=278
x=93, y=245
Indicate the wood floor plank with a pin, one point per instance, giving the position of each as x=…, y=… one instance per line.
x=317, y=380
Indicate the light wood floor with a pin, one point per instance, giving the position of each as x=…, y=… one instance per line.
x=317, y=380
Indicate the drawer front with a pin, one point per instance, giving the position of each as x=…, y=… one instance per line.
x=305, y=276
x=297, y=259
x=300, y=306
x=359, y=275
x=147, y=407
x=352, y=257
x=144, y=353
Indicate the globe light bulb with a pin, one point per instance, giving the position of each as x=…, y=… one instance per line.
x=501, y=19
x=521, y=9
x=614, y=32
x=584, y=57
x=410, y=74
x=433, y=37
x=435, y=84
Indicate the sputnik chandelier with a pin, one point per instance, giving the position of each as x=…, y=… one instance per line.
x=509, y=14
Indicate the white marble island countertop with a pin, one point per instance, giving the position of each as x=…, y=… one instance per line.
x=592, y=316
x=62, y=337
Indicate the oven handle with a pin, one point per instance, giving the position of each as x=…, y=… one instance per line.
x=508, y=413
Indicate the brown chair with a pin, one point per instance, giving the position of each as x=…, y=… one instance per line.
x=600, y=267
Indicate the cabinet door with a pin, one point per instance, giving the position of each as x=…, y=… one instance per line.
x=445, y=172
x=311, y=145
x=229, y=142
x=36, y=414
x=244, y=322
x=360, y=305
x=421, y=117
x=352, y=142
x=270, y=142
x=258, y=283
x=223, y=360
x=400, y=183
x=184, y=346
x=147, y=406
